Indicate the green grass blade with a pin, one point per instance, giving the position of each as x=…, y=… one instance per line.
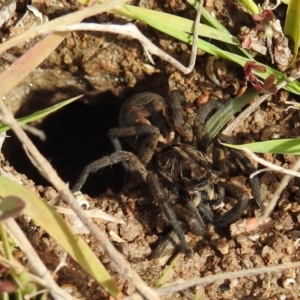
x=283, y=146
x=292, y=24
x=209, y=19
x=293, y=87
x=179, y=23
x=213, y=22
x=251, y=6
x=218, y=120
x=60, y=231
x=40, y=114
x=158, y=24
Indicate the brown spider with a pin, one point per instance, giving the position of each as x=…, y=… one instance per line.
x=166, y=162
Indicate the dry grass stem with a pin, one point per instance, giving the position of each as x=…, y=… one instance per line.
x=66, y=20
x=175, y=287
x=132, y=31
x=18, y=268
x=284, y=182
x=120, y=263
x=270, y=165
x=195, y=38
x=56, y=292
x=239, y=120
x=92, y=213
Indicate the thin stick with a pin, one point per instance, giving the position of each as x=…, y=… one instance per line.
x=175, y=287
x=195, y=38
x=129, y=30
x=56, y=292
x=254, y=106
x=14, y=264
x=284, y=182
x=270, y=165
x=132, y=31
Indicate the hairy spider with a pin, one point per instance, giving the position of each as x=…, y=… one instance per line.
x=156, y=128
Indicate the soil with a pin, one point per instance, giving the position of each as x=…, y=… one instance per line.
x=108, y=69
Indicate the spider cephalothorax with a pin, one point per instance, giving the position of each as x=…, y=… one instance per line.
x=166, y=162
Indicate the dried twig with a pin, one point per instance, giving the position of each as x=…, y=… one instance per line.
x=254, y=106
x=55, y=291
x=129, y=30
x=175, y=287
x=270, y=165
x=132, y=31
x=284, y=182
x=19, y=268
x=121, y=265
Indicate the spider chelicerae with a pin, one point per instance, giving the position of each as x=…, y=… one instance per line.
x=167, y=162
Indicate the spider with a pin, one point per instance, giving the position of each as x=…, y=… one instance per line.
x=167, y=162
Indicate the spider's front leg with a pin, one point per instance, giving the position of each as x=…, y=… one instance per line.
x=133, y=163
x=150, y=139
x=177, y=103
x=143, y=122
x=202, y=114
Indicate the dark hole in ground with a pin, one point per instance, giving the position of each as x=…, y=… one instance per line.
x=76, y=135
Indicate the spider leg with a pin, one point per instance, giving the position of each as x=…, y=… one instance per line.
x=199, y=124
x=159, y=194
x=133, y=163
x=176, y=102
x=193, y=208
x=254, y=182
x=148, y=145
x=239, y=159
x=206, y=211
x=188, y=217
x=232, y=215
x=165, y=248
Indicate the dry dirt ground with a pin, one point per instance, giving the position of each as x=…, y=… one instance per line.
x=108, y=69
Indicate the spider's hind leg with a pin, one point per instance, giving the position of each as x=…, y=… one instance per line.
x=238, y=159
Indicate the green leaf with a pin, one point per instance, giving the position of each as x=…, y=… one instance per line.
x=251, y=6
x=176, y=31
x=60, y=231
x=283, y=146
x=218, y=120
x=40, y=114
x=292, y=24
x=180, y=23
x=213, y=22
